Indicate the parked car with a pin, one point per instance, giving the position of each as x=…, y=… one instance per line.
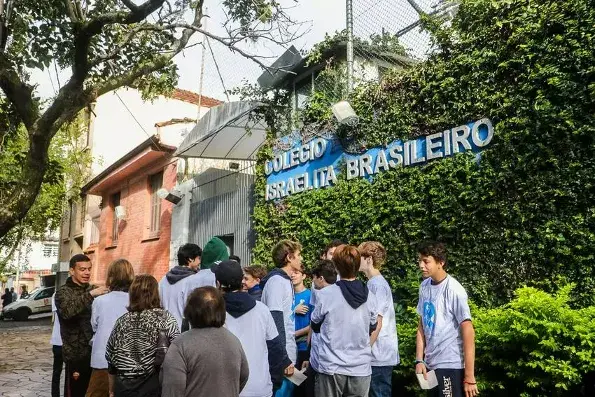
x=38, y=301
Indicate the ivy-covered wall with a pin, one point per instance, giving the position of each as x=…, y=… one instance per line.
x=525, y=213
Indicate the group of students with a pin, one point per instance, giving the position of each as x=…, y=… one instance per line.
x=245, y=332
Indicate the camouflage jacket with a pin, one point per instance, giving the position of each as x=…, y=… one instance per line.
x=73, y=304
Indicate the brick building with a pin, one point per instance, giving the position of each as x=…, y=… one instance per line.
x=142, y=232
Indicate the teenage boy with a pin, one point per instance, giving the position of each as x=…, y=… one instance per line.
x=385, y=350
x=329, y=250
x=445, y=334
x=73, y=303
x=251, y=280
x=251, y=322
x=171, y=286
x=277, y=294
x=303, y=310
x=345, y=315
x=323, y=275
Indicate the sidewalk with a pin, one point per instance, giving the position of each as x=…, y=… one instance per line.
x=25, y=361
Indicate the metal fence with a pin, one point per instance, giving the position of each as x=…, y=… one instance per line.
x=222, y=203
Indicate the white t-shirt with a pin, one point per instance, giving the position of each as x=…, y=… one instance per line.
x=105, y=311
x=171, y=296
x=204, y=278
x=56, y=339
x=253, y=329
x=343, y=345
x=385, y=351
x=278, y=296
x=443, y=308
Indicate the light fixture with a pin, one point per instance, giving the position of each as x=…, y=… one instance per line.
x=234, y=166
x=345, y=113
x=173, y=197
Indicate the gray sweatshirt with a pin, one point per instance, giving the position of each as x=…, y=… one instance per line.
x=204, y=362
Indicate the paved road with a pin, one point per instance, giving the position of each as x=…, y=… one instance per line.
x=25, y=358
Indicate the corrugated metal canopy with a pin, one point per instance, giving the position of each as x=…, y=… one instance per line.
x=225, y=132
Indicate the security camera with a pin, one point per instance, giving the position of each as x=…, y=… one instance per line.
x=173, y=197
x=345, y=113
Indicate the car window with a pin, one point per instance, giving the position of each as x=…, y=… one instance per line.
x=46, y=293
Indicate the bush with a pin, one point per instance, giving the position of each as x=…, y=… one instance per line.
x=536, y=345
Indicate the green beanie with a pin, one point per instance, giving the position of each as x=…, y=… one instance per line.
x=214, y=251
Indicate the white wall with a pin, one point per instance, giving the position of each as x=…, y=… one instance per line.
x=30, y=256
x=116, y=132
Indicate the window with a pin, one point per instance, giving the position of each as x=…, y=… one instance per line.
x=50, y=250
x=115, y=203
x=94, y=230
x=155, y=182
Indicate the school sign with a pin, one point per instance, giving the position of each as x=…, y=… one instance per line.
x=316, y=164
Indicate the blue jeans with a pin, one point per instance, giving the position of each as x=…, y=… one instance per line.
x=286, y=389
x=381, y=384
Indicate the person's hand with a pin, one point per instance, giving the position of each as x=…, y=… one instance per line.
x=305, y=365
x=111, y=394
x=99, y=291
x=470, y=387
x=289, y=370
x=301, y=309
x=420, y=368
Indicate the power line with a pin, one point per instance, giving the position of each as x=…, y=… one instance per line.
x=217, y=67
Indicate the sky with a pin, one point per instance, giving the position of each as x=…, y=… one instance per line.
x=224, y=70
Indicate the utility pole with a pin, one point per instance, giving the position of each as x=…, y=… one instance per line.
x=349, y=45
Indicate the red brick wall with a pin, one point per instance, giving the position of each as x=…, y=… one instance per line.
x=146, y=253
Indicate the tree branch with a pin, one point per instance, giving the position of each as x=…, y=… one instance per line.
x=17, y=92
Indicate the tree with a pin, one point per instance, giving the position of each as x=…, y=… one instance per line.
x=107, y=44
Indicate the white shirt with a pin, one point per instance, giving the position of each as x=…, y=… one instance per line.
x=56, y=339
x=278, y=296
x=343, y=345
x=385, y=351
x=203, y=278
x=105, y=311
x=253, y=329
x=172, y=298
x=443, y=308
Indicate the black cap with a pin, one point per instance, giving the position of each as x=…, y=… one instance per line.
x=229, y=274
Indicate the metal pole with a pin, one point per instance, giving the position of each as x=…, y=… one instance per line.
x=202, y=66
x=349, y=45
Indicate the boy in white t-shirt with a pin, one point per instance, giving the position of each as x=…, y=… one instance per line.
x=445, y=334
x=345, y=315
x=385, y=349
x=251, y=322
x=277, y=294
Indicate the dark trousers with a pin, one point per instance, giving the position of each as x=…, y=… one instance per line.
x=450, y=383
x=306, y=389
x=381, y=383
x=57, y=371
x=78, y=375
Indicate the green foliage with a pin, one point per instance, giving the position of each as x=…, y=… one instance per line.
x=522, y=214
x=537, y=345
x=67, y=172
x=544, y=347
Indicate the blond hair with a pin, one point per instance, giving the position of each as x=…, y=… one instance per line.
x=120, y=275
x=374, y=250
